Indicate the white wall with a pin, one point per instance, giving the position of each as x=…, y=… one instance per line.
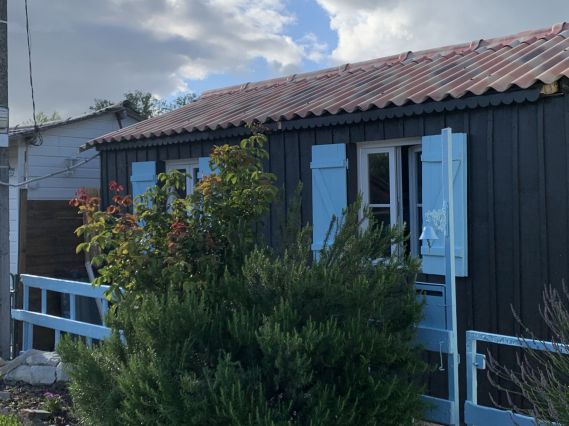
x=13, y=208
x=59, y=143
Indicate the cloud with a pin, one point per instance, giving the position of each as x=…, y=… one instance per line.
x=368, y=29
x=101, y=48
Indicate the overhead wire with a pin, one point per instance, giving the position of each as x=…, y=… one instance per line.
x=57, y=172
x=38, y=136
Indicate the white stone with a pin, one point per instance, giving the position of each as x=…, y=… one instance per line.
x=22, y=373
x=42, y=375
x=43, y=358
x=37, y=415
x=61, y=373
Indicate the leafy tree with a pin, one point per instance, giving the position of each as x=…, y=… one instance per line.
x=146, y=104
x=42, y=118
x=164, y=106
x=222, y=329
x=99, y=104
x=142, y=102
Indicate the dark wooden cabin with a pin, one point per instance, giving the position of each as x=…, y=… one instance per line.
x=508, y=98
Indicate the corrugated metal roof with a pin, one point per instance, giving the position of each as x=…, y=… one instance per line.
x=516, y=61
x=24, y=129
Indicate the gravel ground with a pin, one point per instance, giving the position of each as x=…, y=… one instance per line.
x=24, y=396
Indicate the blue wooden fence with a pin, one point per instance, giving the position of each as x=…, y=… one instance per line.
x=60, y=325
x=475, y=414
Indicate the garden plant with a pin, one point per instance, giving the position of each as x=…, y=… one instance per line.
x=212, y=326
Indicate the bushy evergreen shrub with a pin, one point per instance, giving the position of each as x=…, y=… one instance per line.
x=232, y=332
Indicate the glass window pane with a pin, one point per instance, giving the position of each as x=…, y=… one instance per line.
x=419, y=227
x=379, y=178
x=382, y=216
x=182, y=191
x=419, y=170
x=195, y=175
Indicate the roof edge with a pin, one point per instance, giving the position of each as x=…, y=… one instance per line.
x=407, y=56
x=450, y=104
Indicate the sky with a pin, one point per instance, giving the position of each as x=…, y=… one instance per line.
x=87, y=49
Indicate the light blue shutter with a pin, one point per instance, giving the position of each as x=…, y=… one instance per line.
x=143, y=177
x=329, y=189
x=432, y=165
x=204, y=167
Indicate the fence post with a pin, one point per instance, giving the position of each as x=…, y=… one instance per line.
x=72, y=307
x=28, y=329
x=471, y=376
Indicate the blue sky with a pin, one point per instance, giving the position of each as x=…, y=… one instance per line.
x=309, y=17
x=102, y=48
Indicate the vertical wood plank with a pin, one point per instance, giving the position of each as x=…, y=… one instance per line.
x=307, y=138
x=292, y=167
x=277, y=166
x=529, y=216
x=43, y=301
x=185, y=150
x=72, y=307
x=122, y=168
x=516, y=240
x=490, y=218
x=544, y=251
x=196, y=150
x=27, y=327
x=22, y=230
x=566, y=138
x=555, y=168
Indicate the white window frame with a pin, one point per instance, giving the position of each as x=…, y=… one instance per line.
x=414, y=230
x=363, y=180
x=393, y=147
x=191, y=167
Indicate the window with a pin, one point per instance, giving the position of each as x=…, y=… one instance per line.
x=190, y=168
x=415, y=199
x=390, y=184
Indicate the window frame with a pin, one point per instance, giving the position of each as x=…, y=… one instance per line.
x=191, y=167
x=363, y=181
x=415, y=152
x=396, y=181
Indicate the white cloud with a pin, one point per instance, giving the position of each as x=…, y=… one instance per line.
x=313, y=49
x=102, y=48
x=369, y=29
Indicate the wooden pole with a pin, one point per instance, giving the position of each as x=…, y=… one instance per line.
x=4, y=193
x=450, y=273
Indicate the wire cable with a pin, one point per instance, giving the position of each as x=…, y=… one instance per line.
x=39, y=138
x=58, y=172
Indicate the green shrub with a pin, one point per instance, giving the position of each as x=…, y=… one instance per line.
x=242, y=334
x=9, y=420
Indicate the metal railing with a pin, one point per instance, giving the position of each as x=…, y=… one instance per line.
x=59, y=324
x=475, y=414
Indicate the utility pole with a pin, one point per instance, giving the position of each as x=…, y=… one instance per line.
x=4, y=191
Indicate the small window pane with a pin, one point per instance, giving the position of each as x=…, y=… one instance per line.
x=379, y=178
x=382, y=216
x=419, y=170
x=419, y=223
x=182, y=191
x=195, y=176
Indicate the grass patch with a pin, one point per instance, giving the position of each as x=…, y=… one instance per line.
x=9, y=420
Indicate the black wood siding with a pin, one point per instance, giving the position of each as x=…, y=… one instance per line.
x=518, y=200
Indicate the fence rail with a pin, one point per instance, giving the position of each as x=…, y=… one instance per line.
x=475, y=414
x=60, y=325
